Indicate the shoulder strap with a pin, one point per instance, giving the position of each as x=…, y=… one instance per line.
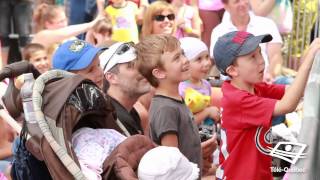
x=123, y=128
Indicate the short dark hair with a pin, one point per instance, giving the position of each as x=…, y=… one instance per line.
x=103, y=26
x=30, y=49
x=225, y=1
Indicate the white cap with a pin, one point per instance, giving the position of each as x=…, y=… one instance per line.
x=109, y=57
x=192, y=47
x=165, y=163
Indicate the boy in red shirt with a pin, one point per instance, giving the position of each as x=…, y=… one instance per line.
x=248, y=105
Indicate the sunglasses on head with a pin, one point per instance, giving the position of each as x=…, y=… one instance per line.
x=123, y=48
x=161, y=17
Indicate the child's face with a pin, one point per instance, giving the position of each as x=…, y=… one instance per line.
x=40, y=61
x=176, y=65
x=59, y=21
x=249, y=68
x=200, y=66
x=163, y=26
x=93, y=72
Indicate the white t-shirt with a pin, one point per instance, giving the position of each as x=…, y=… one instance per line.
x=257, y=26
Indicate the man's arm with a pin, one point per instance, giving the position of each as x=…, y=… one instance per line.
x=292, y=96
x=208, y=147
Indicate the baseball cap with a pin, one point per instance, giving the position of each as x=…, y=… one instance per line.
x=235, y=44
x=74, y=55
x=192, y=47
x=118, y=53
x=164, y=163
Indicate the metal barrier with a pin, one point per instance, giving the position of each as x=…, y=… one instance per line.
x=308, y=168
x=305, y=28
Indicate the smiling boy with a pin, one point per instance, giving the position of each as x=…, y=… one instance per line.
x=162, y=62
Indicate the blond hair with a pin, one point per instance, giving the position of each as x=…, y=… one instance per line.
x=103, y=26
x=154, y=9
x=45, y=13
x=149, y=54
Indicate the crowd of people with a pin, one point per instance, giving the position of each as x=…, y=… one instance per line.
x=153, y=62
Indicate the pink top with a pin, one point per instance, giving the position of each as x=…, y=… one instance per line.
x=188, y=14
x=2, y=176
x=210, y=5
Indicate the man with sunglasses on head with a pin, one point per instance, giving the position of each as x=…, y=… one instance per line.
x=126, y=84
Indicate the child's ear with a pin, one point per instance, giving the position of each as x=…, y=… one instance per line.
x=158, y=73
x=232, y=71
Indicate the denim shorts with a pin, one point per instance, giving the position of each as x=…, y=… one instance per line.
x=15, y=17
x=4, y=165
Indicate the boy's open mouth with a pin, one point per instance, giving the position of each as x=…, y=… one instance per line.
x=205, y=70
x=185, y=68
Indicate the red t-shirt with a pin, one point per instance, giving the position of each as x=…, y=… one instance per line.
x=246, y=133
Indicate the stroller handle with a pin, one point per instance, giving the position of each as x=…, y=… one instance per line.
x=62, y=154
x=18, y=68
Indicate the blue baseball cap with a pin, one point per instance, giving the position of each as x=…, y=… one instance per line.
x=74, y=55
x=235, y=44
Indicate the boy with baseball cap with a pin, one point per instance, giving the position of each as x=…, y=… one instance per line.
x=81, y=58
x=248, y=104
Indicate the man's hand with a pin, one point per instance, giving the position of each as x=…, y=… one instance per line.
x=208, y=147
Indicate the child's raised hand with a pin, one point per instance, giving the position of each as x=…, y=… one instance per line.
x=314, y=46
x=97, y=19
x=213, y=113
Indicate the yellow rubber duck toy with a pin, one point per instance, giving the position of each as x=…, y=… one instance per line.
x=196, y=101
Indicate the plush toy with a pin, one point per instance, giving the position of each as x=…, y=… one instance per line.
x=195, y=100
x=196, y=103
